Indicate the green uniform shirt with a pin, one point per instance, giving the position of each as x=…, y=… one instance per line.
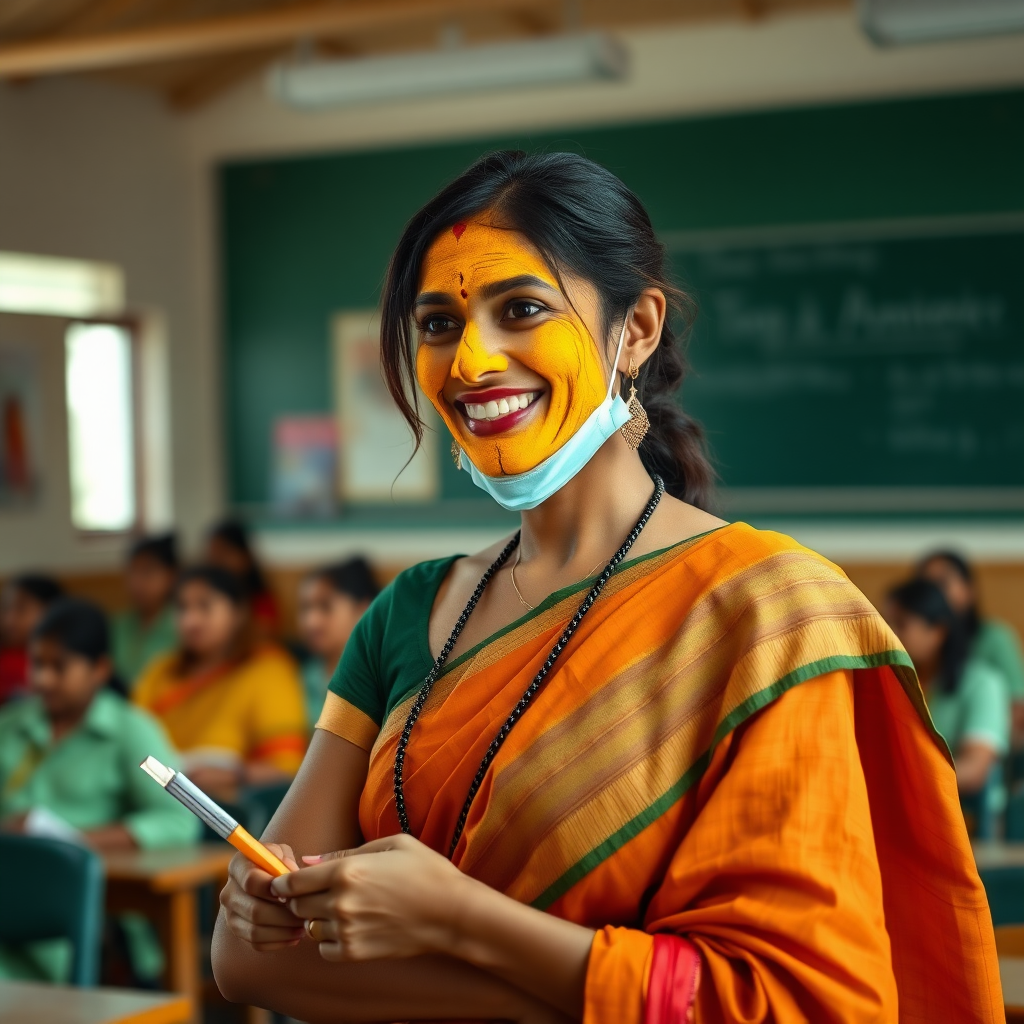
x=134, y=645
x=979, y=709
x=997, y=645
x=91, y=777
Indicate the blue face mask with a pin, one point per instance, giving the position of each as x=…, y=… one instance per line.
x=528, y=490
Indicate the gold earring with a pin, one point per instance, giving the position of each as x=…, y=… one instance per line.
x=636, y=429
x=456, y=454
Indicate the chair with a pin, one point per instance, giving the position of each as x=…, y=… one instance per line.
x=53, y=890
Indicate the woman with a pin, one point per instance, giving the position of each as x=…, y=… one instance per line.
x=992, y=642
x=332, y=599
x=68, y=769
x=720, y=793
x=967, y=699
x=228, y=546
x=146, y=630
x=234, y=707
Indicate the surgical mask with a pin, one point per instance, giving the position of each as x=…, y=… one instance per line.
x=523, y=491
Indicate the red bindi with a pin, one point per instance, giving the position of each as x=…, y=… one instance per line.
x=464, y=293
x=458, y=230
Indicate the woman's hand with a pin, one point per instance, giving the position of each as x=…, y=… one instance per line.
x=391, y=898
x=252, y=912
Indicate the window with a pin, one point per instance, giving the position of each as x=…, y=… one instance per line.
x=101, y=426
x=59, y=287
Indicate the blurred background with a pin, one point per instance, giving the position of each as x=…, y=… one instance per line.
x=198, y=199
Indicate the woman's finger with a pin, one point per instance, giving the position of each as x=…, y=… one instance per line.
x=306, y=880
x=319, y=906
x=255, y=934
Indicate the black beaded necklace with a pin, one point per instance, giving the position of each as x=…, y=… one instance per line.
x=531, y=690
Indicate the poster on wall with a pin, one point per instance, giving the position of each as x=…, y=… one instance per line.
x=304, y=473
x=19, y=425
x=376, y=461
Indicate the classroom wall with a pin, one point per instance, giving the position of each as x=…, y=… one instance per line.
x=92, y=171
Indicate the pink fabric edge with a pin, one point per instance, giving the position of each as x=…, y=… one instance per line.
x=672, y=983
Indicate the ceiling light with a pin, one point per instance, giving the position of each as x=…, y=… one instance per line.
x=894, y=22
x=558, y=60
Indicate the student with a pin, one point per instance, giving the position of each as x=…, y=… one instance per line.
x=990, y=641
x=332, y=600
x=69, y=756
x=232, y=705
x=22, y=604
x=228, y=547
x=146, y=630
x=966, y=697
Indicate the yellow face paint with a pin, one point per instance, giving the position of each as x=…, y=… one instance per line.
x=503, y=342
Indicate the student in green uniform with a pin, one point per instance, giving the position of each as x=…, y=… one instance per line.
x=967, y=698
x=69, y=757
x=332, y=600
x=147, y=629
x=990, y=641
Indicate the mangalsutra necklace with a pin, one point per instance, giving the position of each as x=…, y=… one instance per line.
x=519, y=593
x=531, y=690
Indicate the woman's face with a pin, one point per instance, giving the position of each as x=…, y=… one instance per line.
x=149, y=583
x=208, y=622
x=506, y=359
x=922, y=640
x=327, y=618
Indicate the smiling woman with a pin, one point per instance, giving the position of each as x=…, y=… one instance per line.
x=657, y=765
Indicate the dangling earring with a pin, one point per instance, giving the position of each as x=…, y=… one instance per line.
x=456, y=454
x=636, y=429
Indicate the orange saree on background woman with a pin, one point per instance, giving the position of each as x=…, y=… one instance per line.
x=731, y=775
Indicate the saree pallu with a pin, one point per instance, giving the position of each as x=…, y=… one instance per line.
x=731, y=776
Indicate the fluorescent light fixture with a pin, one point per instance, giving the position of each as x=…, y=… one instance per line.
x=59, y=287
x=896, y=22
x=558, y=60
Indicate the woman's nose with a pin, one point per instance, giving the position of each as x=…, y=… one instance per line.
x=472, y=359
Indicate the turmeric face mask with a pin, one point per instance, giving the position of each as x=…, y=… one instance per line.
x=503, y=355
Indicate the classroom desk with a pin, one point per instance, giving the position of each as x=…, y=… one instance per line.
x=1011, y=974
x=993, y=853
x=162, y=884
x=30, y=1003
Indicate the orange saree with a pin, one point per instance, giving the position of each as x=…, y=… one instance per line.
x=731, y=776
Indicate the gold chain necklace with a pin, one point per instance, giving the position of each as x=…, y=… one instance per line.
x=523, y=601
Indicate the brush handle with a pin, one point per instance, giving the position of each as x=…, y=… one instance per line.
x=257, y=853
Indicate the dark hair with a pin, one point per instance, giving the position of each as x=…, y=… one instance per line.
x=225, y=583
x=353, y=577
x=582, y=219
x=926, y=600
x=44, y=589
x=971, y=617
x=162, y=548
x=78, y=626
x=235, y=534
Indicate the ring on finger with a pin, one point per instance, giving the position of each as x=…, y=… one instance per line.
x=309, y=930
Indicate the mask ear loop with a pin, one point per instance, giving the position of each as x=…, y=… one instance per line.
x=618, y=352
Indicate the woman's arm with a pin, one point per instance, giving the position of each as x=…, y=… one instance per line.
x=258, y=957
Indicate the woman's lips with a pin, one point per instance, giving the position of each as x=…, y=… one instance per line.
x=496, y=410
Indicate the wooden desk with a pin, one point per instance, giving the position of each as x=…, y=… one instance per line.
x=24, y=1003
x=1011, y=974
x=162, y=884
x=997, y=854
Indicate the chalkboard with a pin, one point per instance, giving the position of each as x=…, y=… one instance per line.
x=862, y=367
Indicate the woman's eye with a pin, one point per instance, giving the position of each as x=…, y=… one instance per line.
x=437, y=324
x=521, y=309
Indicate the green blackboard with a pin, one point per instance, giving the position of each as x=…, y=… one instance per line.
x=305, y=237
x=868, y=367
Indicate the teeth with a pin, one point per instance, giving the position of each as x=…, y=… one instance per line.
x=492, y=410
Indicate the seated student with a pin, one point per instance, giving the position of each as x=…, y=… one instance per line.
x=967, y=698
x=233, y=706
x=22, y=603
x=69, y=756
x=332, y=600
x=990, y=641
x=146, y=630
x=228, y=546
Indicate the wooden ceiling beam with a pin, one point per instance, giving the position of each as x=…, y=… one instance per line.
x=232, y=34
x=203, y=86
